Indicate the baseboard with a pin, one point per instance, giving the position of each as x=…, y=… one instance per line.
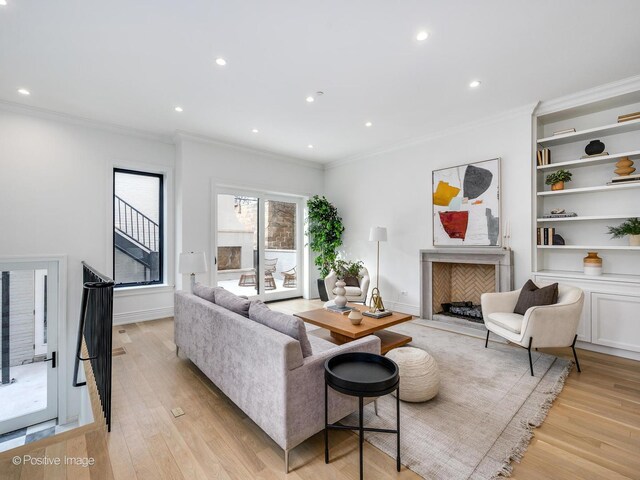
x=616, y=352
x=402, y=307
x=142, y=315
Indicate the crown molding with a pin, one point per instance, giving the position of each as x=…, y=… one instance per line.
x=456, y=130
x=195, y=137
x=590, y=95
x=82, y=121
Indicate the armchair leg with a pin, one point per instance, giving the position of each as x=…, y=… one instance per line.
x=575, y=355
x=486, y=342
x=529, y=350
x=286, y=461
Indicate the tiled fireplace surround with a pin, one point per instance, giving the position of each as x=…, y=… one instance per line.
x=462, y=274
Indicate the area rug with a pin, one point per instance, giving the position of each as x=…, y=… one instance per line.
x=484, y=414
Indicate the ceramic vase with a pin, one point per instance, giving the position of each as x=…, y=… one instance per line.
x=340, y=300
x=634, y=240
x=557, y=186
x=355, y=317
x=592, y=264
x=595, y=147
x=624, y=167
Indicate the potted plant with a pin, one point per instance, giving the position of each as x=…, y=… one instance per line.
x=324, y=228
x=557, y=179
x=630, y=228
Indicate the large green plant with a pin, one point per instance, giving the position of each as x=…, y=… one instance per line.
x=344, y=268
x=324, y=228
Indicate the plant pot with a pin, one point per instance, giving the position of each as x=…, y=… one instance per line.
x=634, y=240
x=592, y=264
x=340, y=300
x=557, y=186
x=322, y=290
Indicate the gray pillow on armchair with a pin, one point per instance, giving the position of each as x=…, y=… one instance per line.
x=283, y=323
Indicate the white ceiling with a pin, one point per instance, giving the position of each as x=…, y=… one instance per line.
x=130, y=62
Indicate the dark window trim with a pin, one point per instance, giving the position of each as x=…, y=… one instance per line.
x=161, y=219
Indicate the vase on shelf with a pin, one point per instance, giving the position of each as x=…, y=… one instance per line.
x=634, y=240
x=624, y=167
x=595, y=147
x=355, y=317
x=340, y=300
x=557, y=186
x=592, y=264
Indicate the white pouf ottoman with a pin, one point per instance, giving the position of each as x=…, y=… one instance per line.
x=419, y=375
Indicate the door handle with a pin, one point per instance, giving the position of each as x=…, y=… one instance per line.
x=52, y=360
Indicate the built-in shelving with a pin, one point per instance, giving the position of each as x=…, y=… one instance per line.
x=586, y=218
x=585, y=162
x=612, y=277
x=590, y=133
x=588, y=247
x=599, y=188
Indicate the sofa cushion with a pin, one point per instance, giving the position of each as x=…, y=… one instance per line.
x=352, y=281
x=532, y=296
x=508, y=321
x=351, y=291
x=283, y=323
x=205, y=292
x=232, y=302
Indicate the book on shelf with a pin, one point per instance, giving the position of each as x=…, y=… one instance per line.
x=628, y=116
x=560, y=215
x=545, y=235
x=382, y=314
x=626, y=178
x=603, y=154
x=636, y=180
x=543, y=157
x=566, y=130
x=336, y=309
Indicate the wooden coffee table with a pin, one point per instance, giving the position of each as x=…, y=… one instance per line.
x=342, y=331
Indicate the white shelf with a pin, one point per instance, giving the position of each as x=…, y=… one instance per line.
x=588, y=247
x=599, y=188
x=608, y=277
x=590, y=133
x=586, y=217
x=585, y=162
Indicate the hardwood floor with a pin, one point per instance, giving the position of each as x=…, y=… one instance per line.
x=591, y=432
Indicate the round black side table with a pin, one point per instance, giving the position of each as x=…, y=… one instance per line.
x=361, y=375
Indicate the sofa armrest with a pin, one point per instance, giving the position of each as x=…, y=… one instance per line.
x=499, y=302
x=330, y=283
x=305, y=392
x=552, y=325
x=364, y=286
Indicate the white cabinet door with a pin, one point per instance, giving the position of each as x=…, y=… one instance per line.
x=584, y=327
x=616, y=320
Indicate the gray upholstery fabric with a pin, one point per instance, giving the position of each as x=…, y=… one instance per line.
x=283, y=323
x=232, y=302
x=206, y=292
x=262, y=370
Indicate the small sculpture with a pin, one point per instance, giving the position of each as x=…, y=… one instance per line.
x=624, y=167
x=595, y=147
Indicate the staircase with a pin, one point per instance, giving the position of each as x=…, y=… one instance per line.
x=137, y=236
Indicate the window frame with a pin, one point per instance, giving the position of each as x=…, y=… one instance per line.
x=161, y=222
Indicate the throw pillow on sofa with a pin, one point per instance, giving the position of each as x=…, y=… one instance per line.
x=232, y=302
x=351, y=281
x=205, y=292
x=532, y=296
x=283, y=323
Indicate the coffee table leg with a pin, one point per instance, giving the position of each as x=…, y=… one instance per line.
x=326, y=423
x=398, y=426
x=361, y=433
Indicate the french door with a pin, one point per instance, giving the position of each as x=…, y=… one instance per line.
x=28, y=343
x=258, y=244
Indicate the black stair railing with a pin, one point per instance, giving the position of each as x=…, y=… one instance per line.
x=96, y=323
x=135, y=225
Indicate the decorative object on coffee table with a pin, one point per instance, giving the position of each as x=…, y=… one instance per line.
x=418, y=372
x=624, y=167
x=355, y=316
x=340, y=299
x=592, y=264
x=192, y=263
x=595, y=147
x=557, y=179
x=630, y=228
x=362, y=375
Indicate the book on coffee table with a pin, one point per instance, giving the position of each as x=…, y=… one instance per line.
x=341, y=310
x=383, y=314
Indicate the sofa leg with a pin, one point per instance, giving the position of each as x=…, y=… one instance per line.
x=486, y=342
x=529, y=350
x=177, y=351
x=575, y=355
x=286, y=461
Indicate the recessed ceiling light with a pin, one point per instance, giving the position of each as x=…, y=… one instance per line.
x=475, y=84
x=221, y=61
x=3, y=3
x=255, y=130
x=422, y=36
x=178, y=109
x=24, y=91
x=309, y=146
x=368, y=124
x=310, y=99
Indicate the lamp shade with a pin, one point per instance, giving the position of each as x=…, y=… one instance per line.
x=378, y=234
x=192, y=262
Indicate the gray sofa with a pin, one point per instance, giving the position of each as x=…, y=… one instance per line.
x=262, y=370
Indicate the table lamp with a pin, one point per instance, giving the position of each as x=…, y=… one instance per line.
x=192, y=263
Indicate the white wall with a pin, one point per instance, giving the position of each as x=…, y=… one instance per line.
x=55, y=199
x=393, y=189
x=202, y=165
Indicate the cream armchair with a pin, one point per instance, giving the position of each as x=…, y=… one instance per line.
x=540, y=327
x=354, y=294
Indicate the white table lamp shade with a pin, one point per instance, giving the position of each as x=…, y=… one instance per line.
x=192, y=262
x=378, y=234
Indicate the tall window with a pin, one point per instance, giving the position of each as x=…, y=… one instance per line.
x=138, y=225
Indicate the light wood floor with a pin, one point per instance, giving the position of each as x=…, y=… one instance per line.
x=591, y=432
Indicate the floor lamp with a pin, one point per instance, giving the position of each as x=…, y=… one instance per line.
x=377, y=234
x=192, y=263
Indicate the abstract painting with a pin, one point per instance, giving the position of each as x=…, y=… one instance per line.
x=466, y=205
